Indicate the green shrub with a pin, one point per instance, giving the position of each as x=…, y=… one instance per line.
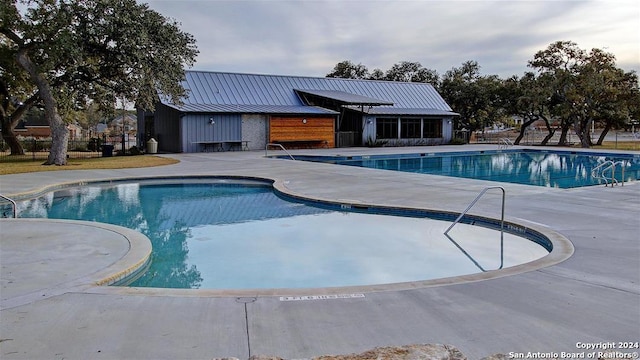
x=34, y=145
x=135, y=151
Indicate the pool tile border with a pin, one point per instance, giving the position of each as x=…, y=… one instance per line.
x=130, y=265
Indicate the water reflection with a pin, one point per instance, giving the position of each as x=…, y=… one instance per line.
x=229, y=236
x=562, y=170
x=474, y=260
x=165, y=214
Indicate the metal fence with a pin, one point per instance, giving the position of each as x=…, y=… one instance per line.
x=88, y=147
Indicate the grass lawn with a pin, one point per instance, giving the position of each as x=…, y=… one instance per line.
x=11, y=165
x=620, y=145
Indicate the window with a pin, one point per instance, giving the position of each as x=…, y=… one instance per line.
x=432, y=128
x=386, y=128
x=410, y=128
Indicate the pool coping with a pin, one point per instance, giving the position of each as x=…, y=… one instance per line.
x=136, y=257
x=139, y=253
x=592, y=297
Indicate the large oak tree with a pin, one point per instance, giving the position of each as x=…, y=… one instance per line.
x=76, y=52
x=586, y=87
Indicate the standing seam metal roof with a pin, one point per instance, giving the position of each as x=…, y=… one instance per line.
x=345, y=97
x=224, y=92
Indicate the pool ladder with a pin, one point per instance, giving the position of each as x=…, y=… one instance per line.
x=13, y=205
x=600, y=172
x=505, y=143
x=266, y=147
x=462, y=214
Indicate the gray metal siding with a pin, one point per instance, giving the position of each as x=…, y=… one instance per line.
x=197, y=127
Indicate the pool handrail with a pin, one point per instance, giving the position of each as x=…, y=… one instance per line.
x=474, y=202
x=13, y=205
x=598, y=172
x=505, y=143
x=266, y=147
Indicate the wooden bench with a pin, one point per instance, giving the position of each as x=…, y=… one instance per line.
x=220, y=145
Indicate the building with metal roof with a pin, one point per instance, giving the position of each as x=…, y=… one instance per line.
x=247, y=111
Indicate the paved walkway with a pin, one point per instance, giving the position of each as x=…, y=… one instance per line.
x=51, y=309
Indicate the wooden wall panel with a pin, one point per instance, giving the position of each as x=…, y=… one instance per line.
x=293, y=129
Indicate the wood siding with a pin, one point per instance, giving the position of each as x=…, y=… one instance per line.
x=294, y=129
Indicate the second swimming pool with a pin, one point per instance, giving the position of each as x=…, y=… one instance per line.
x=561, y=169
x=222, y=234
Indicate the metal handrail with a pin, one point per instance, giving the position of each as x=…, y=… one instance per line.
x=612, y=167
x=505, y=143
x=474, y=202
x=13, y=205
x=280, y=145
x=598, y=172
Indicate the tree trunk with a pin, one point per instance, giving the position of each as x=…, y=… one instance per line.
x=8, y=121
x=606, y=129
x=563, y=134
x=582, y=130
x=550, y=131
x=546, y=139
x=59, y=131
x=10, y=138
x=59, y=140
x=523, y=129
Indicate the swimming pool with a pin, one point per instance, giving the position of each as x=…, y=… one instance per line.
x=241, y=234
x=560, y=169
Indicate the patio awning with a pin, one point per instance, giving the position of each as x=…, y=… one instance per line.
x=317, y=97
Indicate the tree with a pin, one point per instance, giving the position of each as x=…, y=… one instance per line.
x=376, y=74
x=92, y=117
x=609, y=92
x=587, y=87
x=17, y=94
x=529, y=98
x=348, y=70
x=407, y=71
x=473, y=96
x=12, y=109
x=74, y=52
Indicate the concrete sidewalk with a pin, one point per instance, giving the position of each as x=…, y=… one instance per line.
x=592, y=297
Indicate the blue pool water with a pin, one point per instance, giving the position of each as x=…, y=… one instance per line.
x=221, y=234
x=561, y=169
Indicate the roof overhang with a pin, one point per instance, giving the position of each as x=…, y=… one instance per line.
x=339, y=97
x=386, y=110
x=252, y=109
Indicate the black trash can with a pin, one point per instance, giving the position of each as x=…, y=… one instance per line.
x=107, y=150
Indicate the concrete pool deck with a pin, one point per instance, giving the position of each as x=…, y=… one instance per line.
x=592, y=297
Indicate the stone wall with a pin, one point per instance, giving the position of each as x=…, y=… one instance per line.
x=254, y=130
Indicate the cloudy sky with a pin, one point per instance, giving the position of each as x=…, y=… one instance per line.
x=298, y=37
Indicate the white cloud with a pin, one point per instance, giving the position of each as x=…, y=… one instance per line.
x=310, y=37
